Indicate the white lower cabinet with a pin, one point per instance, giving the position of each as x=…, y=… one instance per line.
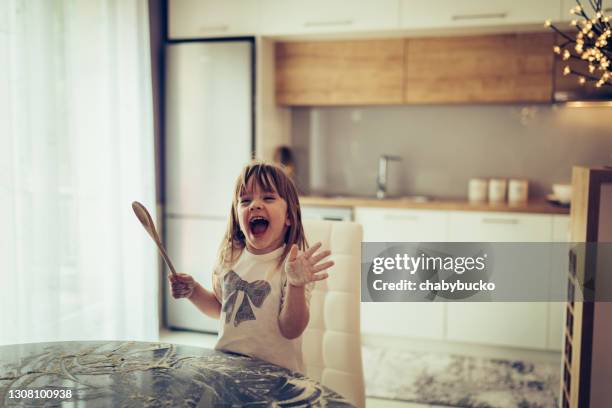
x=419, y=320
x=398, y=225
x=534, y=325
x=498, y=227
x=416, y=320
x=519, y=324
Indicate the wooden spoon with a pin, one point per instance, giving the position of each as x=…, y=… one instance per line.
x=147, y=222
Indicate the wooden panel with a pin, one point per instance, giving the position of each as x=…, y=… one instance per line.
x=339, y=72
x=499, y=68
x=579, y=210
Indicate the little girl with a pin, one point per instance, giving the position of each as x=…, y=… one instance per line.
x=264, y=273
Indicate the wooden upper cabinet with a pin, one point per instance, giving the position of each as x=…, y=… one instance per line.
x=494, y=68
x=340, y=72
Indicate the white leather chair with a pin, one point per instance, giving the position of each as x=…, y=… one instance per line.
x=332, y=340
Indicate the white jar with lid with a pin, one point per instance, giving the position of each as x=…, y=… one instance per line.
x=497, y=191
x=477, y=190
x=518, y=192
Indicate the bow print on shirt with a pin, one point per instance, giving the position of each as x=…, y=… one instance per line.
x=255, y=291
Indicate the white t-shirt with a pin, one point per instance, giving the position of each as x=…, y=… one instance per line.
x=252, y=293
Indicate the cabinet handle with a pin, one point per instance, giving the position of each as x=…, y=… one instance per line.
x=608, y=10
x=482, y=16
x=397, y=217
x=506, y=221
x=332, y=219
x=223, y=27
x=328, y=23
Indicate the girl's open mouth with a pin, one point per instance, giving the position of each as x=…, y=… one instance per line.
x=258, y=225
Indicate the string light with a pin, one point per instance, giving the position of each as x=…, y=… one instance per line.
x=590, y=44
x=566, y=55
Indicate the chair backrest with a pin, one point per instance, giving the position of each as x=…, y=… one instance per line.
x=332, y=340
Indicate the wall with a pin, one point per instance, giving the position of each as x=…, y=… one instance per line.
x=442, y=147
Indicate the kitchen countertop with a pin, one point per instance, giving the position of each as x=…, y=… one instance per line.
x=535, y=206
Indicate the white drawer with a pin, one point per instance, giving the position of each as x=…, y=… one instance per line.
x=398, y=225
x=498, y=227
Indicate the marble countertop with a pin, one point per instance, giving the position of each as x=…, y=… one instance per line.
x=535, y=206
x=139, y=374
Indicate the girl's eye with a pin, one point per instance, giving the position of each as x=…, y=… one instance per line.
x=269, y=198
x=244, y=201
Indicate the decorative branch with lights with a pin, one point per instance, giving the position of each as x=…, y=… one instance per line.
x=592, y=44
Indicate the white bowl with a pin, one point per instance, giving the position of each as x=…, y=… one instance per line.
x=562, y=192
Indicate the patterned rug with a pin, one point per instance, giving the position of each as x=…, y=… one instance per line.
x=459, y=381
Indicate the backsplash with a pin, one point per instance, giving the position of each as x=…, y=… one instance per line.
x=442, y=147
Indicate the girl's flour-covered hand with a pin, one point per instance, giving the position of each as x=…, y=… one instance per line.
x=302, y=268
x=182, y=285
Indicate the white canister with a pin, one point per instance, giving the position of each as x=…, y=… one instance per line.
x=477, y=190
x=518, y=191
x=497, y=191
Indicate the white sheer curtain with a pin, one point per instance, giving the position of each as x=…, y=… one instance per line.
x=77, y=148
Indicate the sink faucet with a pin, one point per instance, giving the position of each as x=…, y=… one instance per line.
x=381, y=180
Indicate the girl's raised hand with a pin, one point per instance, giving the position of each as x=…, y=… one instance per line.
x=182, y=285
x=303, y=268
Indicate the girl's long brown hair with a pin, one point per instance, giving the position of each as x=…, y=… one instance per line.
x=269, y=178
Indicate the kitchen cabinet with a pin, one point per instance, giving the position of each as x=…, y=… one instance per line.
x=419, y=320
x=446, y=14
x=519, y=324
x=212, y=18
x=567, y=5
x=339, y=72
x=535, y=325
x=327, y=16
x=492, y=68
x=506, y=68
x=398, y=225
x=225, y=18
x=498, y=227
